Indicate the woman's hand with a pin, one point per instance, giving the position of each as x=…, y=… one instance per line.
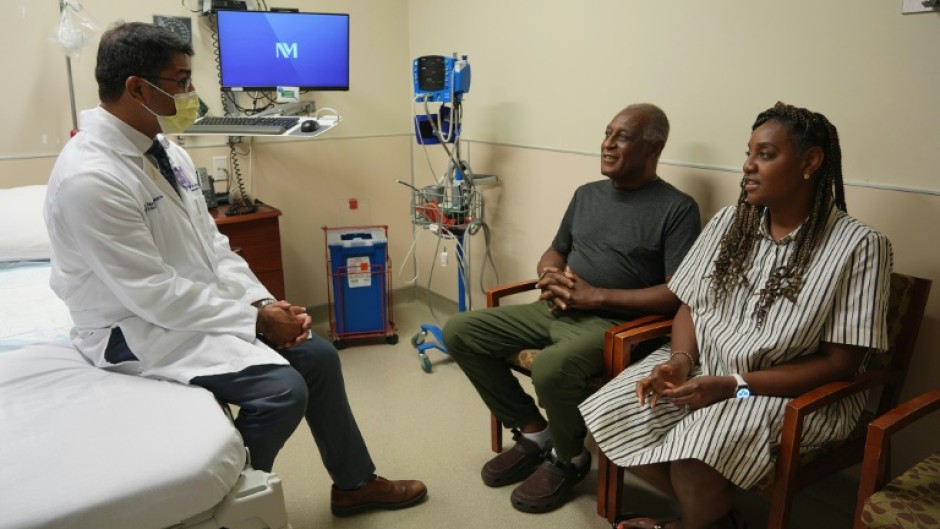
x=701, y=391
x=664, y=377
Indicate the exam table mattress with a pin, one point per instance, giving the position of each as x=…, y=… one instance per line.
x=87, y=448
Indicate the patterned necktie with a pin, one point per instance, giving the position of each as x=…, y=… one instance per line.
x=158, y=153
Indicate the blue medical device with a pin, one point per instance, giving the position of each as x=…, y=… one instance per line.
x=444, y=80
x=439, y=79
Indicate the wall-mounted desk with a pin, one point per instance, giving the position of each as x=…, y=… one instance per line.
x=257, y=238
x=324, y=123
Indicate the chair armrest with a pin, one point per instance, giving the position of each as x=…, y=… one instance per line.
x=619, y=340
x=801, y=407
x=874, y=474
x=642, y=321
x=907, y=413
x=834, y=391
x=494, y=294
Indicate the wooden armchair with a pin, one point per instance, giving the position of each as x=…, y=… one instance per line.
x=522, y=361
x=912, y=499
x=794, y=471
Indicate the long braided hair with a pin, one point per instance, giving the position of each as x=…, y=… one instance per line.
x=806, y=129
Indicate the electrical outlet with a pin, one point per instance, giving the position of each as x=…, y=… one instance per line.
x=220, y=170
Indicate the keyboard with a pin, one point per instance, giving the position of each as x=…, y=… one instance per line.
x=242, y=125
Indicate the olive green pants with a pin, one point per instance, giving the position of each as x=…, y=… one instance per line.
x=571, y=343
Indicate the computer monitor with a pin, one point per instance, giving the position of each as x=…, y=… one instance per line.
x=262, y=50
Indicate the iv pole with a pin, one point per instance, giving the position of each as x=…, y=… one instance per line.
x=460, y=206
x=68, y=70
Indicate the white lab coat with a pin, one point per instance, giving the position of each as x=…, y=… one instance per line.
x=128, y=251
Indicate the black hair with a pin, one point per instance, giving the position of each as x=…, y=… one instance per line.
x=806, y=129
x=134, y=48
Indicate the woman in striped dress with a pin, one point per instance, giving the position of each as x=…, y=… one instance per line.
x=781, y=293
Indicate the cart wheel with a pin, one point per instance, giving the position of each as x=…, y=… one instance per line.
x=419, y=338
x=339, y=344
x=391, y=340
x=425, y=362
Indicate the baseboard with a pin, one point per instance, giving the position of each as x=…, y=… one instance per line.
x=419, y=294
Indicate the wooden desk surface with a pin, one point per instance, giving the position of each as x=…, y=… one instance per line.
x=263, y=212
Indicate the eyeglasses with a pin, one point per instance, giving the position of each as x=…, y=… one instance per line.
x=185, y=83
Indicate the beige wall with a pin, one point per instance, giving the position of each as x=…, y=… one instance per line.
x=550, y=73
x=313, y=182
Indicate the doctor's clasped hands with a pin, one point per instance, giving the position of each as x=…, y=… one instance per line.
x=283, y=324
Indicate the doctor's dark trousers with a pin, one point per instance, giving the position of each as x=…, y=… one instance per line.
x=272, y=399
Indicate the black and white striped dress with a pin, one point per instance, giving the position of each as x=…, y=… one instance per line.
x=843, y=300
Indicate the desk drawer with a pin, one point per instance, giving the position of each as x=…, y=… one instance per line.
x=256, y=237
x=259, y=243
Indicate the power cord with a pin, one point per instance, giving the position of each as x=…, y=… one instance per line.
x=183, y=3
x=242, y=205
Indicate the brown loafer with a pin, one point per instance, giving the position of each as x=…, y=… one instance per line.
x=514, y=464
x=379, y=493
x=549, y=486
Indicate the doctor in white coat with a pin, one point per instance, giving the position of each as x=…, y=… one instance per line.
x=155, y=290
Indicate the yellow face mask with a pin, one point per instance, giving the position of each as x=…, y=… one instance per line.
x=187, y=110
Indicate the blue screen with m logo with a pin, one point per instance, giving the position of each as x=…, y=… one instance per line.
x=261, y=50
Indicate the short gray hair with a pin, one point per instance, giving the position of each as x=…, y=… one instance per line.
x=658, y=126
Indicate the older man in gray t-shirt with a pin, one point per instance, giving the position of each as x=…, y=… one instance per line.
x=619, y=242
x=627, y=239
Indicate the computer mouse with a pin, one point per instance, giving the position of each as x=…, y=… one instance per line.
x=309, y=126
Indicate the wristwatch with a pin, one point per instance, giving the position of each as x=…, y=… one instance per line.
x=743, y=391
x=265, y=302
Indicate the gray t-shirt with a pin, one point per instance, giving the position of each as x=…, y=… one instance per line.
x=623, y=239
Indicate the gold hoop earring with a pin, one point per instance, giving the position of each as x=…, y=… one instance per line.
x=805, y=176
